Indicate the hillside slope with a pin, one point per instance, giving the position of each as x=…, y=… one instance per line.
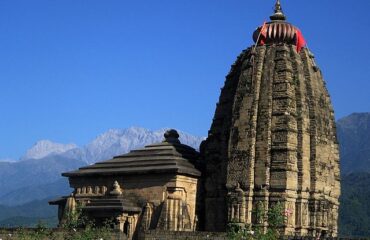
x=28, y=214
x=354, y=211
x=354, y=140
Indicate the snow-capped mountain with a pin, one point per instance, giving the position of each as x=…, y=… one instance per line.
x=107, y=145
x=45, y=148
x=118, y=141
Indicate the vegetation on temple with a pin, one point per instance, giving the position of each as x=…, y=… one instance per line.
x=275, y=217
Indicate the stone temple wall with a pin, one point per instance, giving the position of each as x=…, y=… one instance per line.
x=273, y=139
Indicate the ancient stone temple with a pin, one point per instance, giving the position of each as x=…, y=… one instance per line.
x=150, y=188
x=273, y=138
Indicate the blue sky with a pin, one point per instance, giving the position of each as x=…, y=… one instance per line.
x=71, y=69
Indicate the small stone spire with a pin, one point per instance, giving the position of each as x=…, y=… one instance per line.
x=171, y=136
x=117, y=191
x=278, y=13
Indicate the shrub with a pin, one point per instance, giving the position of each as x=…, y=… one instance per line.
x=275, y=218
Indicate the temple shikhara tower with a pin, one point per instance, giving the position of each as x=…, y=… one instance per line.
x=272, y=141
x=273, y=138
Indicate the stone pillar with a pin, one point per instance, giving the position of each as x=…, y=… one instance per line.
x=131, y=226
x=302, y=217
x=248, y=206
x=68, y=210
x=121, y=220
x=175, y=215
x=147, y=216
x=261, y=202
x=236, y=206
x=335, y=212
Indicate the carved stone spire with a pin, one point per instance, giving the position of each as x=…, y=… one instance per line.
x=272, y=136
x=117, y=191
x=171, y=136
x=278, y=13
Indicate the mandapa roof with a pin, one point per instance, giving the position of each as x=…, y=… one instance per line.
x=169, y=156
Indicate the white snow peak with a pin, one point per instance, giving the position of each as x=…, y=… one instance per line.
x=107, y=145
x=44, y=148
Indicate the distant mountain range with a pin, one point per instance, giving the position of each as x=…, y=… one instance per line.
x=35, y=179
x=105, y=146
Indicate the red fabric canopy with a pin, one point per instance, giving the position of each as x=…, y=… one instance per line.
x=300, y=41
x=263, y=33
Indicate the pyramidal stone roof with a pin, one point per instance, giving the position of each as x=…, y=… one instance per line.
x=169, y=156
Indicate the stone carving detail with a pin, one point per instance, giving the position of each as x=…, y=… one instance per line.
x=104, y=190
x=97, y=190
x=68, y=210
x=175, y=215
x=117, y=191
x=236, y=205
x=127, y=224
x=147, y=216
x=90, y=191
